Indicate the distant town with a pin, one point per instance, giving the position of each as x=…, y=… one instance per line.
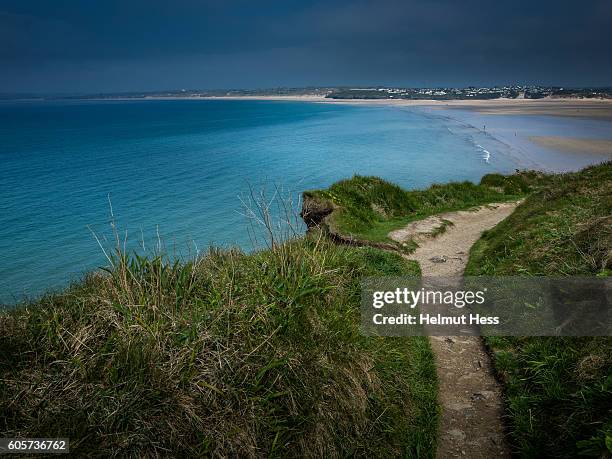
x=377, y=92
x=508, y=92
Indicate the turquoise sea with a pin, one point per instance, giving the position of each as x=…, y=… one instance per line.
x=174, y=171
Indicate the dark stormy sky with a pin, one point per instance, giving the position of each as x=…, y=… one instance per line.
x=134, y=45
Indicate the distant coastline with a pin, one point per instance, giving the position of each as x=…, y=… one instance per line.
x=548, y=106
x=567, y=106
x=339, y=93
x=476, y=112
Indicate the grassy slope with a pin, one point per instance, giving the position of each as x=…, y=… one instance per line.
x=558, y=390
x=368, y=208
x=251, y=355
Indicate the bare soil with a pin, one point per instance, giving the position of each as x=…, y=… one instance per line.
x=471, y=424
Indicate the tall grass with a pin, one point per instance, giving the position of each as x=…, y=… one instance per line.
x=272, y=216
x=558, y=390
x=227, y=354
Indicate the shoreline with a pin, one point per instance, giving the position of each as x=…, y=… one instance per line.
x=547, y=143
x=573, y=107
x=575, y=145
x=548, y=106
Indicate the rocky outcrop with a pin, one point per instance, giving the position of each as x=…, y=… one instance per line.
x=315, y=210
x=318, y=213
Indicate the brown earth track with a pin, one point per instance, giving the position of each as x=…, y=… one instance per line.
x=471, y=424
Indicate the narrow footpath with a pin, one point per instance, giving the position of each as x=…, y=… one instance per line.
x=471, y=425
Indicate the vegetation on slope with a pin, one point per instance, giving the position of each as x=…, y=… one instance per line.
x=368, y=208
x=558, y=390
x=231, y=354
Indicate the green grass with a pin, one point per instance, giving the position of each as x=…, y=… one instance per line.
x=558, y=390
x=260, y=355
x=368, y=208
x=519, y=183
x=228, y=355
x=442, y=228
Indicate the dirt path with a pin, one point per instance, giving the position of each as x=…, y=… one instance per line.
x=470, y=397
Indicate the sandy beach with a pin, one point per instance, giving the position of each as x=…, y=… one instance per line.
x=581, y=108
x=550, y=134
x=584, y=108
x=575, y=145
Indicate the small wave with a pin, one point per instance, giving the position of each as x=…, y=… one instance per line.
x=486, y=155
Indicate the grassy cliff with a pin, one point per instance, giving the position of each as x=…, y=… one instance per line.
x=558, y=390
x=229, y=355
x=366, y=209
x=260, y=354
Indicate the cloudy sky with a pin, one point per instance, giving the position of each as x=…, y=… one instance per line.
x=139, y=45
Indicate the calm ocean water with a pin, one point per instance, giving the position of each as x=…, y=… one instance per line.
x=177, y=168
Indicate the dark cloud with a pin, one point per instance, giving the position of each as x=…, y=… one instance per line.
x=115, y=45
